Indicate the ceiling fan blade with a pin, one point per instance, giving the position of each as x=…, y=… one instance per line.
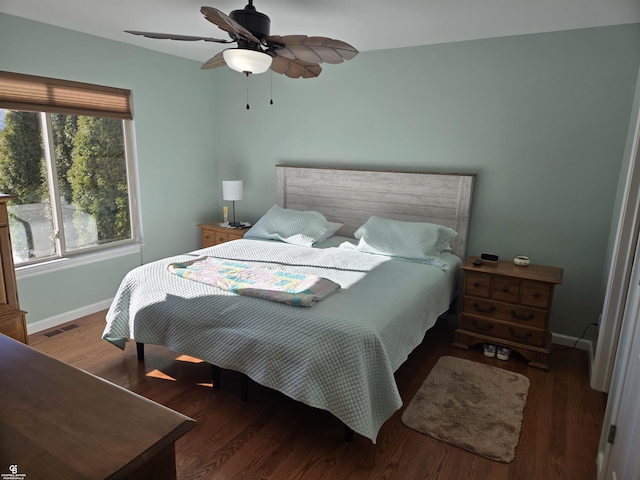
x=330, y=50
x=295, y=68
x=215, y=61
x=228, y=24
x=311, y=49
x=169, y=36
x=282, y=49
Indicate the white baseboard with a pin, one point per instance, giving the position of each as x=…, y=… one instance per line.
x=582, y=344
x=567, y=341
x=56, y=320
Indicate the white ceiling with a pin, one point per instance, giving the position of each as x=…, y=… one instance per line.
x=366, y=24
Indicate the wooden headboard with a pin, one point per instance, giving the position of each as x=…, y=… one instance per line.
x=352, y=196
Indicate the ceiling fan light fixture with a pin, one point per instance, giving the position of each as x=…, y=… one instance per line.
x=247, y=61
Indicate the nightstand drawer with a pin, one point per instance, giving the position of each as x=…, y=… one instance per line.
x=223, y=237
x=214, y=234
x=505, y=331
x=208, y=239
x=536, y=294
x=516, y=314
x=477, y=284
x=506, y=289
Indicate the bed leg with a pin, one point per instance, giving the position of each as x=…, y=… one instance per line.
x=244, y=388
x=140, y=351
x=215, y=376
x=348, y=435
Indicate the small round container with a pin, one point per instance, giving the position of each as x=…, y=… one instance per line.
x=521, y=260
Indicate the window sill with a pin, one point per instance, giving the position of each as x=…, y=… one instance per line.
x=59, y=264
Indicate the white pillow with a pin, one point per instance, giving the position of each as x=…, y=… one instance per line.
x=332, y=228
x=423, y=242
x=290, y=226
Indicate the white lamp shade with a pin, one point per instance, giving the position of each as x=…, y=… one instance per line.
x=232, y=190
x=243, y=60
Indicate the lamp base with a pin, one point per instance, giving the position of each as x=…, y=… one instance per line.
x=235, y=224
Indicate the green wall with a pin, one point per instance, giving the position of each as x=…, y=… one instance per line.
x=542, y=119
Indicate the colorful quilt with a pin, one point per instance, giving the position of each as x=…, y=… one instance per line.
x=237, y=277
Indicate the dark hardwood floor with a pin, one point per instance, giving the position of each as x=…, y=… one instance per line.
x=273, y=437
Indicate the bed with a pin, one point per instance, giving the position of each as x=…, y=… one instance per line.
x=340, y=354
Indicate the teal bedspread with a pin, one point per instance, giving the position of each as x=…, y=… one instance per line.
x=339, y=355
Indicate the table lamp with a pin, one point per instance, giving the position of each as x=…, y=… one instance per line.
x=232, y=191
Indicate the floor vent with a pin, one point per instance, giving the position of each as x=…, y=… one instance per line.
x=60, y=330
x=52, y=333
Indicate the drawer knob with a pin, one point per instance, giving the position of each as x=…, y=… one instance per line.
x=505, y=289
x=527, y=317
x=536, y=294
x=476, y=284
x=524, y=336
x=489, y=309
x=488, y=326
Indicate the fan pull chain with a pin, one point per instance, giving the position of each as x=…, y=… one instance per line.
x=247, y=74
x=271, y=77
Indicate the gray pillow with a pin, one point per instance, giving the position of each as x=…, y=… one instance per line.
x=423, y=242
x=290, y=226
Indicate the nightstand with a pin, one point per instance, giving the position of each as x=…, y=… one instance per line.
x=508, y=305
x=214, y=234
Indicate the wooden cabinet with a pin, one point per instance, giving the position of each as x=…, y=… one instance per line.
x=508, y=305
x=12, y=320
x=214, y=234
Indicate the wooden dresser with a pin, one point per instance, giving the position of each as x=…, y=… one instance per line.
x=508, y=305
x=59, y=422
x=13, y=322
x=214, y=234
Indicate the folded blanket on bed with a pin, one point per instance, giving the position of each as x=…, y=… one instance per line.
x=276, y=285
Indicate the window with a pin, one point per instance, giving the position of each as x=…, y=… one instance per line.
x=68, y=166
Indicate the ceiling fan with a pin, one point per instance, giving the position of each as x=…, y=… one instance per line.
x=296, y=56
